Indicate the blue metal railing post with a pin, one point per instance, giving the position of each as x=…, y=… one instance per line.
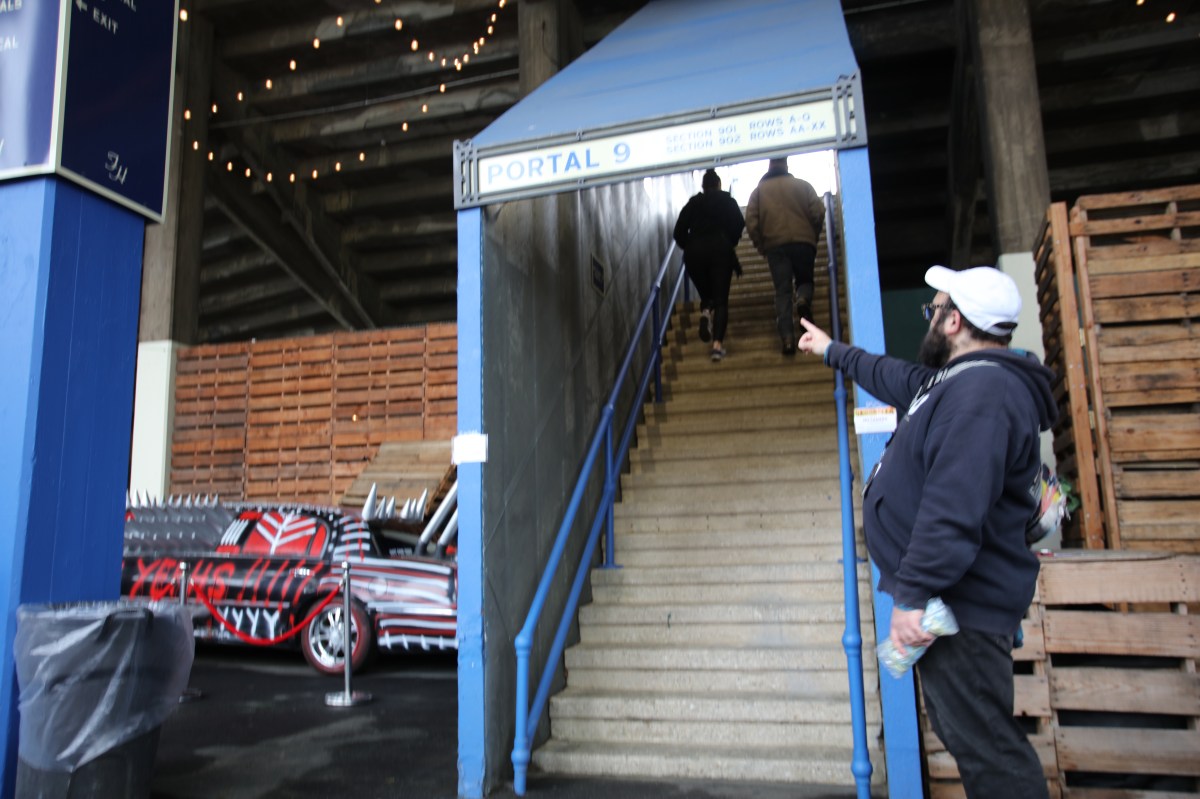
x=609, y=500
x=657, y=345
x=860, y=766
x=528, y=713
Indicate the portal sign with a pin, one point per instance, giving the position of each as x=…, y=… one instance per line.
x=794, y=127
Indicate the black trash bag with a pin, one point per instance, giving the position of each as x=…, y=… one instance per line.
x=95, y=676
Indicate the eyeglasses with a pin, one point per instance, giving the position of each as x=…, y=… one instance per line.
x=928, y=309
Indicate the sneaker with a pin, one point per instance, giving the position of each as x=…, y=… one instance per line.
x=718, y=354
x=706, y=326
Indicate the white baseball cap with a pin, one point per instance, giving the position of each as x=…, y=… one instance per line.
x=986, y=296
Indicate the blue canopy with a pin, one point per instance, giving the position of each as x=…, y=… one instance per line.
x=676, y=57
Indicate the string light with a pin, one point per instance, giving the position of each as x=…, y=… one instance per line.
x=1171, y=17
x=183, y=15
x=187, y=113
x=445, y=62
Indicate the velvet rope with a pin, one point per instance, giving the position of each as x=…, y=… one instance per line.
x=249, y=639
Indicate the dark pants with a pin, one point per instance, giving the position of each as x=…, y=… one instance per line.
x=967, y=682
x=710, y=266
x=791, y=264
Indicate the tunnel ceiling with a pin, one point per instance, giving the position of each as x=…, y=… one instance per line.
x=371, y=241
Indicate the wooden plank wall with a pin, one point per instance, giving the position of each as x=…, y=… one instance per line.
x=1120, y=305
x=1107, y=679
x=298, y=419
x=1137, y=259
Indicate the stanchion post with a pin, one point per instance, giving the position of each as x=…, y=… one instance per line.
x=347, y=698
x=187, y=694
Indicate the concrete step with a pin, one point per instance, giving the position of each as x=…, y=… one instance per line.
x=680, y=706
x=679, y=541
x=751, y=636
x=803, y=400
x=791, y=471
x=744, y=555
x=824, y=765
x=746, y=446
x=732, y=524
x=648, y=593
x=704, y=613
x=736, y=488
x=792, y=682
x=707, y=506
x=723, y=575
x=700, y=733
x=689, y=659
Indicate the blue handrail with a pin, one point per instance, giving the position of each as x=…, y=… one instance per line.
x=529, y=715
x=860, y=766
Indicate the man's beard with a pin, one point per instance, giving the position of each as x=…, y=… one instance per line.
x=935, y=349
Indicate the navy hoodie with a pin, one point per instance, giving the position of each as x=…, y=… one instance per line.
x=946, y=509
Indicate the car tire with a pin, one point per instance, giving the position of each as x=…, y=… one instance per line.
x=321, y=640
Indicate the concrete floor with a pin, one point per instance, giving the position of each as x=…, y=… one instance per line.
x=262, y=731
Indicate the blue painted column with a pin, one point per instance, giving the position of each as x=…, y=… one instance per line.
x=901, y=734
x=70, y=277
x=472, y=758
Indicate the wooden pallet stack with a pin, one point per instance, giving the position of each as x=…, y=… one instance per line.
x=1119, y=284
x=298, y=419
x=1106, y=681
x=208, y=447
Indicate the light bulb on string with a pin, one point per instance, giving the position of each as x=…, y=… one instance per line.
x=314, y=174
x=431, y=55
x=211, y=155
x=337, y=166
x=270, y=177
x=443, y=62
x=292, y=177
x=362, y=157
x=292, y=65
x=502, y=3
x=399, y=24
x=1171, y=17
x=183, y=15
x=424, y=108
x=214, y=108
x=415, y=45
x=187, y=113
x=316, y=44
x=442, y=88
x=404, y=127
x=240, y=97
x=247, y=171
x=493, y=17
x=229, y=167
x=491, y=29
x=270, y=85
x=195, y=145
x=340, y=22
x=466, y=57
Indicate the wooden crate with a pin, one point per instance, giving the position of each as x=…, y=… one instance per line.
x=1120, y=306
x=209, y=436
x=299, y=419
x=1137, y=256
x=1108, y=673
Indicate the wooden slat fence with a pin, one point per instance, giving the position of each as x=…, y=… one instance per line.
x=1107, y=681
x=1132, y=270
x=298, y=419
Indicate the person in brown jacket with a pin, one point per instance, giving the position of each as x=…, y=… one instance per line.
x=784, y=218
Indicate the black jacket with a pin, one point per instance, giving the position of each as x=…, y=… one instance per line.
x=709, y=219
x=946, y=510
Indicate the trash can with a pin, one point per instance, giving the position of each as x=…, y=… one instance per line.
x=96, y=682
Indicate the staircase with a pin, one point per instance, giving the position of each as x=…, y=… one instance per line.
x=715, y=651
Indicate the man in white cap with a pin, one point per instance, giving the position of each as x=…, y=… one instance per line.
x=946, y=508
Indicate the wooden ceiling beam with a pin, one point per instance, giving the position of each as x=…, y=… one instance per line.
x=390, y=194
x=413, y=226
x=408, y=259
x=354, y=76
x=366, y=22
x=492, y=96
x=261, y=222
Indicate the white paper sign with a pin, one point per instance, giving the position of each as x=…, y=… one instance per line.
x=874, y=420
x=468, y=448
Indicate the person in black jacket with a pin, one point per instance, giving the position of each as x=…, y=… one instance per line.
x=708, y=230
x=946, y=507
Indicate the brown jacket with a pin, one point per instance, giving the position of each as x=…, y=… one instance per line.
x=784, y=210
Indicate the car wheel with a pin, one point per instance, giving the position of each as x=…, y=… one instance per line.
x=322, y=639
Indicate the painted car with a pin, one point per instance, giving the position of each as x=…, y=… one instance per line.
x=270, y=575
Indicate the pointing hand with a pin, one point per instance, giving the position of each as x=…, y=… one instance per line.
x=814, y=341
